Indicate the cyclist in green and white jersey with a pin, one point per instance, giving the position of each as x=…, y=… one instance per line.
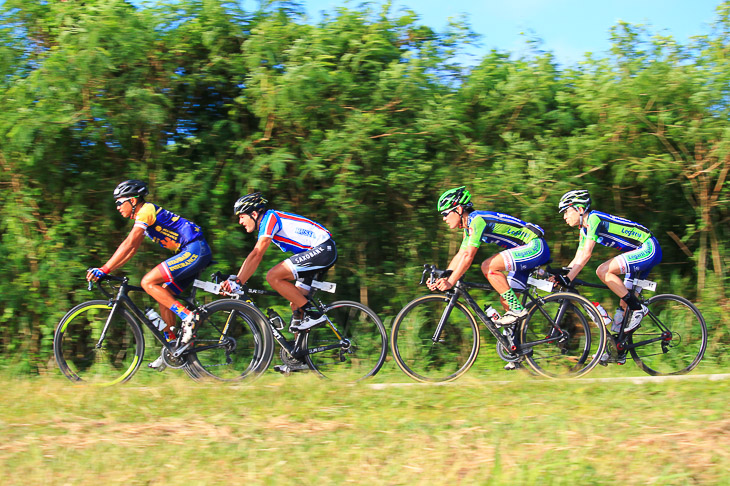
x=525, y=246
x=642, y=251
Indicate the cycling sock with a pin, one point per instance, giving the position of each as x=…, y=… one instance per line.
x=512, y=300
x=180, y=310
x=631, y=301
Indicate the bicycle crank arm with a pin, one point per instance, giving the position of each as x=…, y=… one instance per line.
x=180, y=351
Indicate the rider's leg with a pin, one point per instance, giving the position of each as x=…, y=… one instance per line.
x=281, y=279
x=494, y=268
x=608, y=272
x=152, y=284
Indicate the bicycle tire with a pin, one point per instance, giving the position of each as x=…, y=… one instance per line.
x=682, y=352
x=577, y=355
x=414, y=350
x=368, y=343
x=77, y=336
x=249, y=349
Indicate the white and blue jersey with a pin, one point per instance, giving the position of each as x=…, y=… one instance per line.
x=291, y=232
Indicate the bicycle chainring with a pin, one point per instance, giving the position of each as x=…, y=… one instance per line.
x=171, y=361
x=292, y=363
x=507, y=355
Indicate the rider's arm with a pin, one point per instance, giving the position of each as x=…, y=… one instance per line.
x=252, y=261
x=126, y=250
x=581, y=258
x=459, y=265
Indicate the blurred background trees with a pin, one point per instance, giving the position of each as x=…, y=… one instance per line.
x=359, y=122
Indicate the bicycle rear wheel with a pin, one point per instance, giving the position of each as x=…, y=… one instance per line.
x=413, y=346
x=84, y=357
x=359, y=354
x=681, y=350
x=230, y=344
x=576, y=354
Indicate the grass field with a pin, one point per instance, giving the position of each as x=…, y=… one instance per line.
x=502, y=428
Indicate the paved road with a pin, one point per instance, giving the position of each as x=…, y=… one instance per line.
x=625, y=379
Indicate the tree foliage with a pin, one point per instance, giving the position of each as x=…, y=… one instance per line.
x=359, y=121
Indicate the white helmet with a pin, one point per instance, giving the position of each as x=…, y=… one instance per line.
x=579, y=197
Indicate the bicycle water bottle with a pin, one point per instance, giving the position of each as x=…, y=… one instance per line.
x=492, y=313
x=604, y=315
x=155, y=318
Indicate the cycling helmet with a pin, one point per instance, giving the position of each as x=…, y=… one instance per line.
x=249, y=203
x=579, y=197
x=453, y=198
x=131, y=188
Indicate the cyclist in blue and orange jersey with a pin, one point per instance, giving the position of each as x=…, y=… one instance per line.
x=172, y=276
x=642, y=251
x=526, y=249
x=313, y=247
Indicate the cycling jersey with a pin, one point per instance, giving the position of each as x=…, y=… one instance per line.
x=498, y=228
x=612, y=231
x=165, y=227
x=291, y=232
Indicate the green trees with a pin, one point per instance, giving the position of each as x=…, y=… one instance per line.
x=359, y=121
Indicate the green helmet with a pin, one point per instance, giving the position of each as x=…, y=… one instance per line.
x=452, y=198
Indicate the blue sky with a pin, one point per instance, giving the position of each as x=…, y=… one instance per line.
x=568, y=28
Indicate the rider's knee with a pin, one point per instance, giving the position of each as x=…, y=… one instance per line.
x=602, y=271
x=146, y=282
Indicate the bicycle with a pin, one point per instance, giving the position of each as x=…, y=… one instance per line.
x=102, y=342
x=436, y=337
x=350, y=346
x=671, y=340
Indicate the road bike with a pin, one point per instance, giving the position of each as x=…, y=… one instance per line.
x=436, y=337
x=102, y=341
x=351, y=345
x=671, y=339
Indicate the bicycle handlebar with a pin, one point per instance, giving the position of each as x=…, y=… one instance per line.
x=105, y=277
x=575, y=282
x=434, y=273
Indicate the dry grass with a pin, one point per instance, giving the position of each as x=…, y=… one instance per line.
x=173, y=431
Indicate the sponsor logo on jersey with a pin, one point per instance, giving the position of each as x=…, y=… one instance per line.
x=630, y=232
x=305, y=232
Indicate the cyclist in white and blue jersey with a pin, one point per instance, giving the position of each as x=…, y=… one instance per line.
x=642, y=251
x=313, y=247
x=526, y=249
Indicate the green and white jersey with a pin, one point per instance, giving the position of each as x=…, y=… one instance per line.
x=612, y=231
x=498, y=228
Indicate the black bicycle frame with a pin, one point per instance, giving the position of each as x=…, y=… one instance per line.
x=518, y=347
x=621, y=342
x=295, y=348
x=123, y=298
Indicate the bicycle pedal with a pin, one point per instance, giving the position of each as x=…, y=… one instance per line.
x=283, y=369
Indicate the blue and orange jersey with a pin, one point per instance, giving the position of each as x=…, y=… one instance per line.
x=498, y=228
x=165, y=227
x=291, y=232
x=613, y=231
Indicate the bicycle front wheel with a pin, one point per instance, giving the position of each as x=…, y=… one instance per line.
x=679, y=333
x=429, y=358
x=583, y=338
x=230, y=344
x=358, y=353
x=84, y=356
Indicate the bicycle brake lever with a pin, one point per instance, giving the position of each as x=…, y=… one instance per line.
x=426, y=269
x=91, y=285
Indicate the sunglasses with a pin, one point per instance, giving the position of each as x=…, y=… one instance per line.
x=122, y=201
x=446, y=213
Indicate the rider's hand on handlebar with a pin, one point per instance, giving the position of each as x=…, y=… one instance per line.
x=439, y=284
x=563, y=280
x=94, y=274
x=232, y=285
